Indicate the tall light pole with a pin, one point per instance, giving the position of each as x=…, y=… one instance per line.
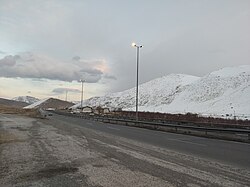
x=66, y=97
x=82, y=81
x=137, y=76
x=233, y=110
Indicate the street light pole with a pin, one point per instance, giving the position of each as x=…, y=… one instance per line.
x=137, y=77
x=66, y=97
x=82, y=81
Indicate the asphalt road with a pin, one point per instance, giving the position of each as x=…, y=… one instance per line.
x=65, y=151
x=227, y=152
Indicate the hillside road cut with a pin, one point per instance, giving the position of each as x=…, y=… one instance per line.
x=64, y=151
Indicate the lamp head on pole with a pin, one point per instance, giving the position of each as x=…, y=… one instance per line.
x=135, y=45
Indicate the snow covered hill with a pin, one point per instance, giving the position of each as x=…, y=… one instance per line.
x=26, y=99
x=156, y=92
x=50, y=103
x=36, y=104
x=226, y=91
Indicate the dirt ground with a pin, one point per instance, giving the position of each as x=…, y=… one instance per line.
x=19, y=111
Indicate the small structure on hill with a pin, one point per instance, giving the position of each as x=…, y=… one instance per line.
x=87, y=109
x=100, y=110
x=106, y=110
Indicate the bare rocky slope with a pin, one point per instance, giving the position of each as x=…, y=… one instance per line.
x=11, y=103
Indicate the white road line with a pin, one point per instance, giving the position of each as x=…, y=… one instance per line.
x=185, y=141
x=114, y=128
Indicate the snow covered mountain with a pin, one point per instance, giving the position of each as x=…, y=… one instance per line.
x=156, y=92
x=226, y=91
x=50, y=103
x=26, y=99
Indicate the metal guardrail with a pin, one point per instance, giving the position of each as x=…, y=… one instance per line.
x=177, y=126
x=245, y=133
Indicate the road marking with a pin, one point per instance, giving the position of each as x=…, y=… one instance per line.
x=185, y=141
x=114, y=128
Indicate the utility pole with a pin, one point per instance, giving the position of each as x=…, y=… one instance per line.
x=137, y=78
x=66, y=97
x=82, y=81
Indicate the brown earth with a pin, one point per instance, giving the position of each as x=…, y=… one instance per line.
x=16, y=104
x=185, y=118
x=19, y=111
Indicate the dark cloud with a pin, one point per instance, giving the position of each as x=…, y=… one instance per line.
x=76, y=58
x=9, y=60
x=109, y=77
x=63, y=90
x=92, y=71
x=39, y=80
x=91, y=78
x=28, y=65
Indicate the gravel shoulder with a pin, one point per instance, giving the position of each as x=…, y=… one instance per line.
x=50, y=152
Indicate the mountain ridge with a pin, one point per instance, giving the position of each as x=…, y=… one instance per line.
x=50, y=103
x=26, y=99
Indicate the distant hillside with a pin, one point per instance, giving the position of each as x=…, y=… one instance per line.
x=156, y=92
x=50, y=103
x=226, y=91
x=26, y=99
x=11, y=103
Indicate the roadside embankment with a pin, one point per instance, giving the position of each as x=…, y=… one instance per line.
x=20, y=111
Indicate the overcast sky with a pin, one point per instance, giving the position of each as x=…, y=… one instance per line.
x=46, y=46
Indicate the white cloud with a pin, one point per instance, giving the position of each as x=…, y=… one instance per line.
x=63, y=90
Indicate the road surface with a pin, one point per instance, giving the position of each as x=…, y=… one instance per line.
x=64, y=151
